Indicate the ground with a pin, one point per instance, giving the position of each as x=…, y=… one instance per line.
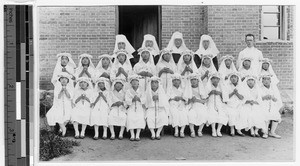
x=205, y=148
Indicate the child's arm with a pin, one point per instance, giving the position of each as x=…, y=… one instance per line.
x=205, y=75
x=241, y=97
x=67, y=93
x=78, y=99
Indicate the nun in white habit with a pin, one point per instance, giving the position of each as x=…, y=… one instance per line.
x=207, y=46
x=150, y=43
x=177, y=46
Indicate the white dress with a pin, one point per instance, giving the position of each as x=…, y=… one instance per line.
x=202, y=70
x=157, y=112
x=178, y=111
x=234, y=103
x=216, y=109
x=82, y=110
x=255, y=115
x=90, y=69
x=127, y=68
x=135, y=112
x=269, y=107
x=99, y=114
x=166, y=80
x=142, y=66
x=58, y=70
x=197, y=112
x=61, y=110
x=117, y=115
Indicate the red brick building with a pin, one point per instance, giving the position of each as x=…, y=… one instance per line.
x=92, y=30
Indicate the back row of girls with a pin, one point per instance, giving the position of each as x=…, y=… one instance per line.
x=115, y=94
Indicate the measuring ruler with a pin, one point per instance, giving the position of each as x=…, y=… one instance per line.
x=18, y=83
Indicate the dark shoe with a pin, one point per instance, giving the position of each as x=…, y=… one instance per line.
x=137, y=139
x=104, y=138
x=232, y=134
x=158, y=138
x=131, y=139
x=76, y=137
x=82, y=137
x=152, y=138
x=240, y=134
x=95, y=138
x=112, y=138
x=120, y=137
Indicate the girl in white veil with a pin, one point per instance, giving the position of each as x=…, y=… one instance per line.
x=61, y=110
x=104, y=66
x=85, y=67
x=64, y=64
x=177, y=45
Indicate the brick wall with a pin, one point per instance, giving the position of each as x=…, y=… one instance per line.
x=228, y=25
x=189, y=20
x=75, y=30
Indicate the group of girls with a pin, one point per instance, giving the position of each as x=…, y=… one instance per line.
x=165, y=88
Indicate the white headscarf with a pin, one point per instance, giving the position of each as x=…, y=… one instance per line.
x=171, y=64
x=84, y=79
x=69, y=85
x=155, y=48
x=70, y=63
x=128, y=46
x=116, y=61
x=212, y=48
x=211, y=67
x=223, y=70
x=273, y=87
x=181, y=65
x=120, y=80
x=171, y=45
x=163, y=98
x=90, y=59
x=188, y=91
x=134, y=77
x=274, y=78
x=105, y=81
x=99, y=65
x=147, y=49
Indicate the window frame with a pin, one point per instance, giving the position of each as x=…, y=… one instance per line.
x=282, y=24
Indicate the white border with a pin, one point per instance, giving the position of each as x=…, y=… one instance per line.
x=37, y=3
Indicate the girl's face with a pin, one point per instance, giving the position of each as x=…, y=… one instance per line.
x=83, y=85
x=118, y=86
x=121, y=45
x=247, y=64
x=194, y=82
x=206, y=61
x=154, y=85
x=149, y=43
x=176, y=82
x=85, y=61
x=64, y=60
x=251, y=83
x=121, y=58
x=145, y=55
x=266, y=81
x=64, y=81
x=178, y=42
x=105, y=61
x=134, y=83
x=167, y=57
x=187, y=58
x=215, y=81
x=265, y=66
x=228, y=63
x=234, y=79
x=101, y=85
x=205, y=44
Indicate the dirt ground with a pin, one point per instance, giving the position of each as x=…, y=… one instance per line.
x=204, y=148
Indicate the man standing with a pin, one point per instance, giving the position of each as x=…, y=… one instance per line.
x=250, y=52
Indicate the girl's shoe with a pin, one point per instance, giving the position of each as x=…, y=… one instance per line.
x=181, y=135
x=193, y=135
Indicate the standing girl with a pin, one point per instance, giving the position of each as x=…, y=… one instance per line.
x=165, y=68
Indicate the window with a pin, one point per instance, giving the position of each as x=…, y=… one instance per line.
x=273, y=23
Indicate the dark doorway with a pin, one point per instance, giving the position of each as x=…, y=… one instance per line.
x=136, y=21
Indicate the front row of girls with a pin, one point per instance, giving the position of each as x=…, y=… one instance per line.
x=251, y=104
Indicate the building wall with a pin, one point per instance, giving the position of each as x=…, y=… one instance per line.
x=228, y=26
x=75, y=30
